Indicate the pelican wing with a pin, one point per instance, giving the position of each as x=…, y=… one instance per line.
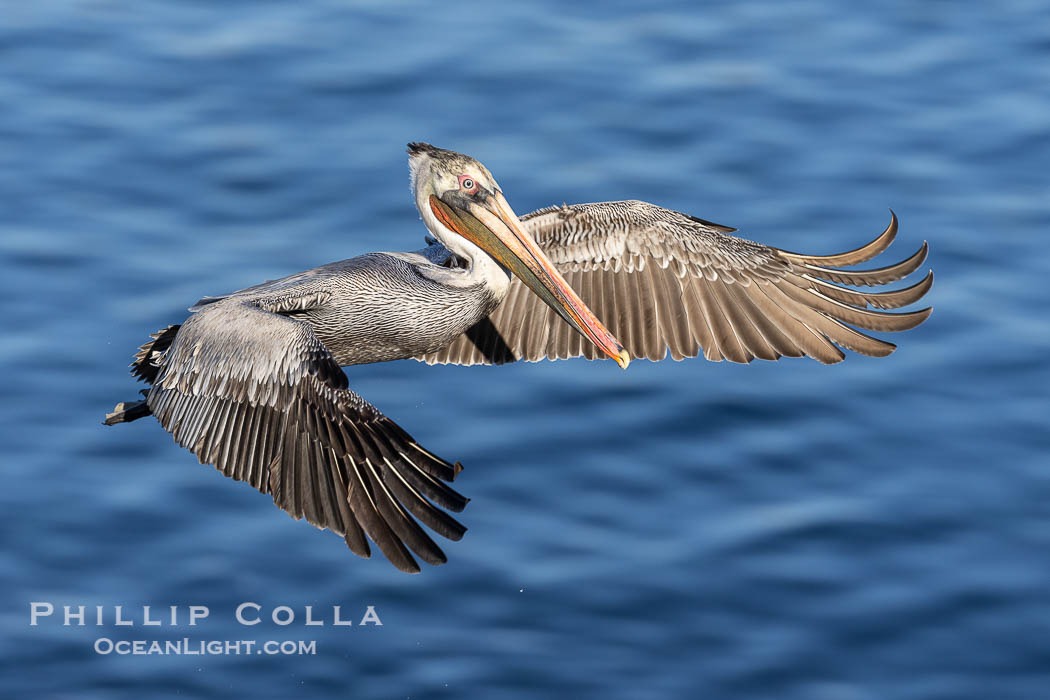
x=663, y=281
x=256, y=394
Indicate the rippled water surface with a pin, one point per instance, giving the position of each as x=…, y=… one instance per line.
x=875, y=529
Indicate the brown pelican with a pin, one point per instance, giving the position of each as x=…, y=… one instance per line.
x=251, y=381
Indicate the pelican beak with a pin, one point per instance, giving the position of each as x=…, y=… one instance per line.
x=493, y=226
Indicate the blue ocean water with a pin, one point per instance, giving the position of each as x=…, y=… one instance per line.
x=875, y=529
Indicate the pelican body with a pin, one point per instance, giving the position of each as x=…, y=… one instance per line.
x=387, y=306
x=252, y=381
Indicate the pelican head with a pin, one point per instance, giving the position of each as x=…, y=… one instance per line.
x=459, y=198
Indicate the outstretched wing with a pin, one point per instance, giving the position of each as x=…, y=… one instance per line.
x=665, y=281
x=259, y=396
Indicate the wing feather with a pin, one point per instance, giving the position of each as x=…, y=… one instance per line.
x=701, y=323
x=852, y=257
x=675, y=325
x=747, y=327
x=806, y=339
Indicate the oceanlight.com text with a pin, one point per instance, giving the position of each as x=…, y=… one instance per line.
x=205, y=647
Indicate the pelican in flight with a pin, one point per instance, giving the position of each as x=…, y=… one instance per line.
x=252, y=382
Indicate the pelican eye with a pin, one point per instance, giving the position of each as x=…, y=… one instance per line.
x=468, y=184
